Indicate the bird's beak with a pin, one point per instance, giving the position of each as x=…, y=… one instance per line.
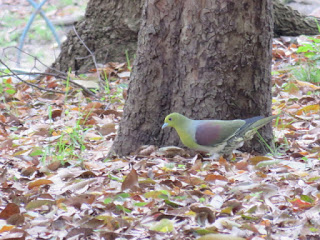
x=164, y=125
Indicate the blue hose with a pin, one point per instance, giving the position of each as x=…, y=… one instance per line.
x=26, y=29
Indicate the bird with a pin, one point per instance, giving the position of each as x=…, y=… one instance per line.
x=216, y=137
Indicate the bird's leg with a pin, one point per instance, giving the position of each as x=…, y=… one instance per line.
x=229, y=157
x=214, y=157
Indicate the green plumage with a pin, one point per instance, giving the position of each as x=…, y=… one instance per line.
x=215, y=136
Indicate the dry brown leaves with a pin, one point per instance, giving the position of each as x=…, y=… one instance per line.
x=56, y=182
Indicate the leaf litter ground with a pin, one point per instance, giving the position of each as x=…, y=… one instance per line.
x=57, y=182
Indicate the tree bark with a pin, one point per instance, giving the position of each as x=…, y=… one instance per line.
x=110, y=27
x=204, y=59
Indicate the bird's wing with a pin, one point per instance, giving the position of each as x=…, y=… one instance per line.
x=249, y=123
x=213, y=132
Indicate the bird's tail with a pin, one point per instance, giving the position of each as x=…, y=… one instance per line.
x=255, y=123
x=260, y=123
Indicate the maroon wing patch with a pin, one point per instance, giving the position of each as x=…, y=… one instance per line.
x=206, y=134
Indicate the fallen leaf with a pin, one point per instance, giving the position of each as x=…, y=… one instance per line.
x=39, y=183
x=213, y=177
x=131, y=181
x=164, y=225
x=220, y=237
x=9, y=210
x=255, y=160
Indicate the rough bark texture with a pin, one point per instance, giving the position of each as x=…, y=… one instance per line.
x=205, y=59
x=289, y=22
x=111, y=26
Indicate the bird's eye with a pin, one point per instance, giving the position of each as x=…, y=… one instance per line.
x=170, y=119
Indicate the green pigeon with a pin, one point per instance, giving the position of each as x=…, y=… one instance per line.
x=215, y=136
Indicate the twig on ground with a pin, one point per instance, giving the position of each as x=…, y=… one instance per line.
x=30, y=84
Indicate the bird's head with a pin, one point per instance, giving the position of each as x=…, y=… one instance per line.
x=173, y=120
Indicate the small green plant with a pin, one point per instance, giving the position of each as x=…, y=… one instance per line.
x=308, y=72
x=285, y=145
x=70, y=143
x=6, y=89
x=311, y=49
x=67, y=88
x=119, y=201
x=107, y=85
x=272, y=148
x=128, y=60
x=116, y=94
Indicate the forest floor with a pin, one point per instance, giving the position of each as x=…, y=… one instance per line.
x=58, y=183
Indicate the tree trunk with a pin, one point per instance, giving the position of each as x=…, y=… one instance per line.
x=289, y=22
x=110, y=27
x=205, y=59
